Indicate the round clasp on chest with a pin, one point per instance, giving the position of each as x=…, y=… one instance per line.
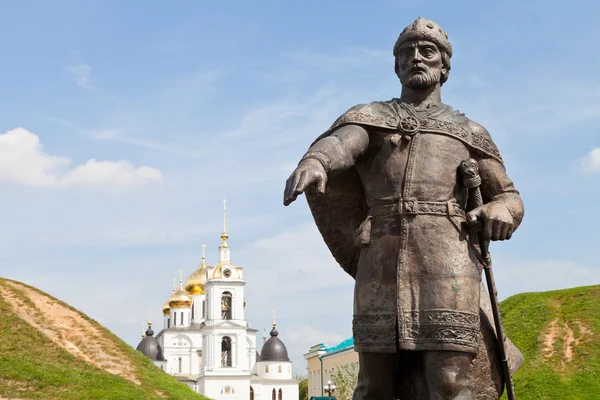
x=409, y=125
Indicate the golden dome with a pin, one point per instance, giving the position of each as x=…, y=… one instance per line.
x=166, y=310
x=180, y=299
x=194, y=284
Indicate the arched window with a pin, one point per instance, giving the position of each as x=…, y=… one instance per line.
x=227, y=390
x=279, y=369
x=226, y=305
x=168, y=323
x=226, y=352
x=251, y=393
x=175, y=319
x=267, y=369
x=280, y=396
x=273, y=395
x=182, y=318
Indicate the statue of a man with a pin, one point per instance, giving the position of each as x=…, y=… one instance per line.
x=384, y=187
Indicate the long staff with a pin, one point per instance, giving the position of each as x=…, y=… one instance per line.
x=472, y=180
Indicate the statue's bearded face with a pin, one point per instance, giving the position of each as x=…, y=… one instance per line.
x=419, y=64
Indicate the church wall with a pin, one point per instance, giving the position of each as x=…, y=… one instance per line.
x=185, y=346
x=274, y=369
x=214, y=388
x=198, y=299
x=251, y=350
x=289, y=391
x=176, y=317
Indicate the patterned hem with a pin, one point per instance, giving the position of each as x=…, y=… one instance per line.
x=435, y=329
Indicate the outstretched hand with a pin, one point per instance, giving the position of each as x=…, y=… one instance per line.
x=309, y=172
x=496, y=220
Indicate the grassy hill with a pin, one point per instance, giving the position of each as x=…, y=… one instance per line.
x=558, y=332
x=49, y=350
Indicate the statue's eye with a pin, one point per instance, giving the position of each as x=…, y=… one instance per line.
x=428, y=52
x=406, y=52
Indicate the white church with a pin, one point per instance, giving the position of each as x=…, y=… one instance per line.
x=207, y=343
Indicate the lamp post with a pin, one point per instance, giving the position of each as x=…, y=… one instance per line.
x=329, y=388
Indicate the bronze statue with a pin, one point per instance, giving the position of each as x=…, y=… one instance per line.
x=385, y=188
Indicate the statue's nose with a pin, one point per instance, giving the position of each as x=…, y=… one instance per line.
x=417, y=56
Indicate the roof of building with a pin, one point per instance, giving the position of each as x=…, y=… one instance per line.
x=194, y=284
x=180, y=298
x=150, y=347
x=274, y=349
x=186, y=377
x=344, y=345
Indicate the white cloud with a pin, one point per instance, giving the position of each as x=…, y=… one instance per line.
x=22, y=160
x=82, y=74
x=590, y=163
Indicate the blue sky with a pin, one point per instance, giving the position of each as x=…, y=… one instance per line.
x=123, y=125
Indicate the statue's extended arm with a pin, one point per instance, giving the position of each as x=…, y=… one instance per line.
x=338, y=151
x=503, y=210
x=330, y=155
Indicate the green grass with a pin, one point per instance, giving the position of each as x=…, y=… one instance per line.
x=527, y=317
x=33, y=367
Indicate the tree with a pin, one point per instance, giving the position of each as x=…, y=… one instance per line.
x=345, y=378
x=302, y=387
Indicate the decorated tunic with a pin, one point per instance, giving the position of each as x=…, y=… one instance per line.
x=395, y=220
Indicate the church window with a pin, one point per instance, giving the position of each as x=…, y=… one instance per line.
x=182, y=318
x=267, y=369
x=251, y=393
x=168, y=323
x=180, y=364
x=226, y=352
x=227, y=390
x=226, y=305
x=273, y=395
x=193, y=307
x=280, y=395
x=279, y=369
x=203, y=309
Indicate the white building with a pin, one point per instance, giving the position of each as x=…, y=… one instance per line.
x=208, y=344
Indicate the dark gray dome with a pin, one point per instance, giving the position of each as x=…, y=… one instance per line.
x=274, y=349
x=149, y=346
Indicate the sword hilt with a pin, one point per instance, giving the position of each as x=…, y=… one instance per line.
x=469, y=170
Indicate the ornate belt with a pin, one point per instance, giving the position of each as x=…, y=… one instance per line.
x=412, y=206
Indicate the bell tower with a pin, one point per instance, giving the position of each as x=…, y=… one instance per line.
x=227, y=347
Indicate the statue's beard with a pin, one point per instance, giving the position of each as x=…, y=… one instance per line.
x=422, y=81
